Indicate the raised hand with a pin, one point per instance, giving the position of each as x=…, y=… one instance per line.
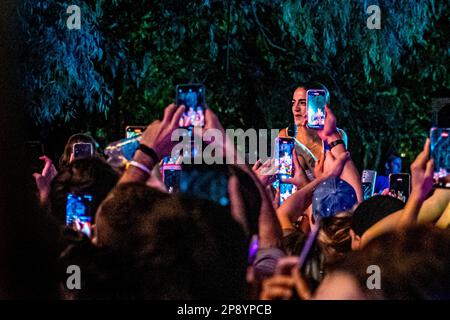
x=299, y=179
x=158, y=134
x=45, y=178
x=329, y=132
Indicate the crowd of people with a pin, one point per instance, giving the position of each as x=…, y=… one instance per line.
x=323, y=242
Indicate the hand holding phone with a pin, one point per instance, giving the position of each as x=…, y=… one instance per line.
x=192, y=96
x=422, y=173
x=315, y=108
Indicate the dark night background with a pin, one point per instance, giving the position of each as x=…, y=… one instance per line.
x=122, y=66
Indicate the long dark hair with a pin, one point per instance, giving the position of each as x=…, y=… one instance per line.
x=76, y=138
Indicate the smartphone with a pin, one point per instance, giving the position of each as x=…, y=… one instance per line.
x=400, y=186
x=368, y=180
x=440, y=153
x=82, y=150
x=171, y=174
x=133, y=131
x=33, y=151
x=284, y=160
x=315, y=106
x=208, y=182
x=79, y=212
x=286, y=190
x=192, y=96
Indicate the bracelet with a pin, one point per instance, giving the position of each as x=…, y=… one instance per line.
x=335, y=143
x=140, y=166
x=150, y=152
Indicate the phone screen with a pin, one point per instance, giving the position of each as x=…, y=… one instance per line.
x=78, y=212
x=285, y=147
x=399, y=186
x=82, y=150
x=134, y=131
x=315, y=102
x=367, y=189
x=286, y=190
x=368, y=179
x=171, y=176
x=206, y=182
x=193, y=98
x=440, y=153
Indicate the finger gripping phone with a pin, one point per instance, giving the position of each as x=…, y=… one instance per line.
x=192, y=96
x=315, y=108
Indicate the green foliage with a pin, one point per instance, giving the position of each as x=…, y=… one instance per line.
x=129, y=55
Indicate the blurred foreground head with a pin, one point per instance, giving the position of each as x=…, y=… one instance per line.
x=412, y=264
x=154, y=245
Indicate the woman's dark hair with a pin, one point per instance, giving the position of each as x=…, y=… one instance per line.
x=76, y=138
x=84, y=176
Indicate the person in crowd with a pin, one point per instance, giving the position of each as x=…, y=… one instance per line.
x=369, y=212
x=154, y=245
x=156, y=143
x=392, y=165
x=345, y=285
x=413, y=264
x=336, y=162
x=44, y=178
x=91, y=176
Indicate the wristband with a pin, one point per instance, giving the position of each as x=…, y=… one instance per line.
x=150, y=152
x=140, y=166
x=335, y=143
